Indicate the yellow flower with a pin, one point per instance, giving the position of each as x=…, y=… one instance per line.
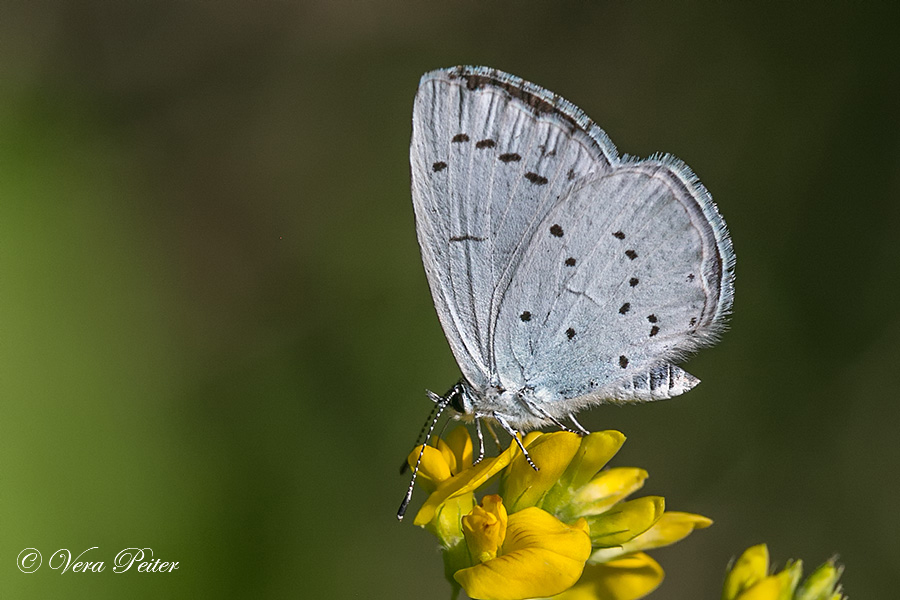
x=521, y=486
x=571, y=484
x=670, y=528
x=575, y=486
x=822, y=584
x=454, y=478
x=751, y=568
x=535, y=538
x=630, y=577
x=525, y=555
x=444, y=461
x=749, y=579
x=485, y=528
x=566, y=463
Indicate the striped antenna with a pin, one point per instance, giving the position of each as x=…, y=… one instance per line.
x=440, y=405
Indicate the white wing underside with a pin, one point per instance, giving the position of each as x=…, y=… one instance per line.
x=556, y=266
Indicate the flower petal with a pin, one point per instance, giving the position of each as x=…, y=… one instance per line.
x=460, y=444
x=446, y=522
x=670, y=528
x=433, y=468
x=603, y=491
x=625, y=521
x=449, y=456
x=521, y=485
x=750, y=568
x=822, y=584
x=464, y=483
x=768, y=588
x=485, y=528
x=626, y=578
x=541, y=556
x=594, y=451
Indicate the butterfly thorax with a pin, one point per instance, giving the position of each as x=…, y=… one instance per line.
x=519, y=408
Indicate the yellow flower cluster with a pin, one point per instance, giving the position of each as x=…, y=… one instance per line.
x=749, y=579
x=565, y=531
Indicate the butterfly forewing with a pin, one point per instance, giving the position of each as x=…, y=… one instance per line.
x=489, y=159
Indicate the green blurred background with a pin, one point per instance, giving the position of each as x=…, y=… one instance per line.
x=216, y=330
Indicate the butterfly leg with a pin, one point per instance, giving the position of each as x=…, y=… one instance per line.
x=516, y=437
x=494, y=437
x=578, y=426
x=540, y=412
x=480, y=442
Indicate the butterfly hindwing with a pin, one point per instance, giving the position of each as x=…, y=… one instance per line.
x=627, y=273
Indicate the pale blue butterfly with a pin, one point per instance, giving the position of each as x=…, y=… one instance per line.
x=563, y=275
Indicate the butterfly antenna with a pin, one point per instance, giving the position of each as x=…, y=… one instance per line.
x=437, y=405
x=440, y=405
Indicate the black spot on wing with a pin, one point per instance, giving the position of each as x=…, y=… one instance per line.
x=623, y=361
x=625, y=308
x=460, y=137
x=654, y=330
x=510, y=157
x=556, y=230
x=488, y=143
x=633, y=281
x=570, y=175
x=536, y=179
x=570, y=333
x=570, y=262
x=631, y=254
x=619, y=235
x=525, y=316
x=652, y=318
x=438, y=166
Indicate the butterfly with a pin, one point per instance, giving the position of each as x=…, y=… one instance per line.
x=564, y=275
